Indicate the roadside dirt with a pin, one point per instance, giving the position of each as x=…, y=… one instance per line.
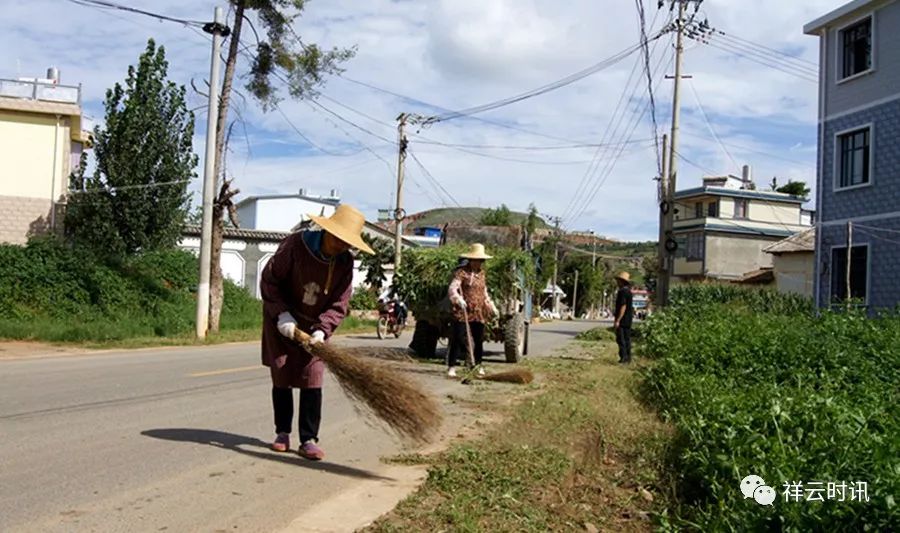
x=468, y=415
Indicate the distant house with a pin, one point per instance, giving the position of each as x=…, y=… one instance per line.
x=724, y=226
x=246, y=251
x=42, y=136
x=281, y=212
x=793, y=263
x=859, y=154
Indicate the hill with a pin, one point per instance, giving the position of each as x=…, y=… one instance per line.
x=459, y=216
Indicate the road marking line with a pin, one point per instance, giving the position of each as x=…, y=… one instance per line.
x=223, y=371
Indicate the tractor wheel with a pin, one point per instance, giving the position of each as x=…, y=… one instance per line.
x=514, y=338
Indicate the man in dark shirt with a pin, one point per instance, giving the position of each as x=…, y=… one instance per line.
x=623, y=315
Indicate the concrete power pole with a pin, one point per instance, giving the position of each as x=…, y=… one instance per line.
x=668, y=189
x=218, y=30
x=575, y=297
x=556, y=222
x=666, y=206
x=399, y=214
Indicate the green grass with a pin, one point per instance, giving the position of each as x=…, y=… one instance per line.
x=578, y=453
x=598, y=334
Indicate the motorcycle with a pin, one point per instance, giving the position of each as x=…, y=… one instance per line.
x=389, y=320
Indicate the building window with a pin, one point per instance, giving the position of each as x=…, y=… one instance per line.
x=712, y=209
x=740, y=209
x=698, y=210
x=694, y=246
x=854, y=158
x=859, y=272
x=856, y=48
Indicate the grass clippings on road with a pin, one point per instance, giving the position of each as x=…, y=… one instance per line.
x=581, y=455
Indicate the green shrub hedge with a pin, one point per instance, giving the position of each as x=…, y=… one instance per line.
x=52, y=292
x=756, y=383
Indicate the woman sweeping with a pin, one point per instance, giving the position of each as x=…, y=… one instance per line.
x=306, y=285
x=472, y=306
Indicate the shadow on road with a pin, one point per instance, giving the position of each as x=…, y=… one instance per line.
x=239, y=444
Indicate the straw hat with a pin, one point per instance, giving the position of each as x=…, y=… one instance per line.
x=624, y=276
x=476, y=252
x=346, y=223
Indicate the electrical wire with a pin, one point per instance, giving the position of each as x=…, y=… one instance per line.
x=645, y=52
x=439, y=108
x=430, y=176
x=608, y=133
x=568, y=80
x=307, y=139
x=710, y=126
x=695, y=165
x=752, y=44
x=583, y=201
x=103, y=4
x=864, y=232
x=887, y=230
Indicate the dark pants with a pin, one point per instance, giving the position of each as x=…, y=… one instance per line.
x=459, y=342
x=310, y=411
x=623, y=339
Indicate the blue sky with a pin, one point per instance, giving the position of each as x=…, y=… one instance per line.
x=459, y=53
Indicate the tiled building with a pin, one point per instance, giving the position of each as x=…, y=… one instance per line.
x=42, y=136
x=859, y=154
x=724, y=227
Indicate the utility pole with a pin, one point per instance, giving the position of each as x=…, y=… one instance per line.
x=669, y=188
x=575, y=296
x=556, y=222
x=399, y=213
x=666, y=206
x=849, y=256
x=218, y=30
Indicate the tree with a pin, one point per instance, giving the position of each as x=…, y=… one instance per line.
x=650, y=267
x=796, y=188
x=374, y=264
x=501, y=216
x=591, y=282
x=136, y=199
x=280, y=55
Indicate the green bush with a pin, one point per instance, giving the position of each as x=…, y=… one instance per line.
x=364, y=299
x=600, y=334
x=756, y=384
x=52, y=292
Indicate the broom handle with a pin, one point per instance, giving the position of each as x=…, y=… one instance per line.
x=301, y=336
x=470, y=354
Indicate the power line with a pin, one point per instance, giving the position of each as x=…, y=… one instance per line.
x=645, y=49
x=568, y=80
x=764, y=47
x=607, y=134
x=431, y=177
x=103, y=4
x=710, y=126
x=600, y=177
x=439, y=108
x=307, y=139
x=695, y=165
x=426, y=140
x=870, y=234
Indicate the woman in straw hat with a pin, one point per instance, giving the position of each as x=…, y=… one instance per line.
x=472, y=305
x=623, y=316
x=306, y=285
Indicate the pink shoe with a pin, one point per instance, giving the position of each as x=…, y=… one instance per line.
x=309, y=450
x=282, y=442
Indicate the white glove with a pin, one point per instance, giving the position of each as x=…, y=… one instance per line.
x=458, y=301
x=494, y=310
x=318, y=337
x=286, y=325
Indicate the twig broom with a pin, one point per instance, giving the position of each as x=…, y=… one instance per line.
x=519, y=376
x=390, y=396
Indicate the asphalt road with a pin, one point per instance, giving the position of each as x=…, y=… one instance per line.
x=177, y=439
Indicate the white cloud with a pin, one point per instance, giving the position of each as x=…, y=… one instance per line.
x=458, y=53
